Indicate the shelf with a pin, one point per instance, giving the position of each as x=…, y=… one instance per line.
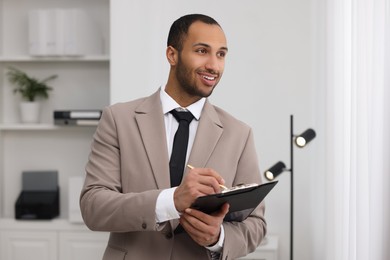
x=102, y=58
x=39, y=127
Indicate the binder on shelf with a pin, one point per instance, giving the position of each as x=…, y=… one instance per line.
x=77, y=117
x=50, y=43
x=76, y=122
x=78, y=114
x=81, y=35
x=37, y=25
x=243, y=199
x=45, y=32
x=63, y=32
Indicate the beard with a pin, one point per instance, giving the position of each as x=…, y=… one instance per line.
x=187, y=80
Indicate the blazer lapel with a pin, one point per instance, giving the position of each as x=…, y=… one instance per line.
x=150, y=120
x=209, y=131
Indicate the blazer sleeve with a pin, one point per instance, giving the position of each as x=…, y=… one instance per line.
x=242, y=238
x=103, y=204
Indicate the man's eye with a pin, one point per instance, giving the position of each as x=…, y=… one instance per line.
x=202, y=51
x=222, y=54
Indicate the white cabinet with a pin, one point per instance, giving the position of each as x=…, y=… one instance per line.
x=21, y=245
x=268, y=250
x=49, y=240
x=82, y=245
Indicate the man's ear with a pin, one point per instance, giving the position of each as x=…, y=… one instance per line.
x=172, y=55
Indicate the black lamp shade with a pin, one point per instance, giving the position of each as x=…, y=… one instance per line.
x=303, y=139
x=275, y=170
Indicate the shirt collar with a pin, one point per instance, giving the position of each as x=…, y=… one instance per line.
x=168, y=103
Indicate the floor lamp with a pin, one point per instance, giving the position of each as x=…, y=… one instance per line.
x=301, y=141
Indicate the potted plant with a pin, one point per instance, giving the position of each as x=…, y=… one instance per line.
x=31, y=90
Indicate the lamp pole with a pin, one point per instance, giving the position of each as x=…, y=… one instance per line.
x=278, y=168
x=291, y=187
x=301, y=141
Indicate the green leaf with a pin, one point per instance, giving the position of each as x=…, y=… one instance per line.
x=30, y=88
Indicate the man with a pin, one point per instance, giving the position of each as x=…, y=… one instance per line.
x=128, y=189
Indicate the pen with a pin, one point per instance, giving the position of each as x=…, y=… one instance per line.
x=220, y=185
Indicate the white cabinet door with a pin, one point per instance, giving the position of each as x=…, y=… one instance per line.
x=22, y=245
x=82, y=245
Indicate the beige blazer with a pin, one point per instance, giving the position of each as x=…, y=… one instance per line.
x=129, y=166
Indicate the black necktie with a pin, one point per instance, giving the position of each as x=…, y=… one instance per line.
x=180, y=144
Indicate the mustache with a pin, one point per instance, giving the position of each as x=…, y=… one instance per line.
x=212, y=72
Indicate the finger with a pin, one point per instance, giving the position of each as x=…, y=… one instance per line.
x=207, y=172
x=211, y=173
x=205, y=189
x=193, y=215
x=210, y=181
x=196, y=187
x=199, y=220
x=202, y=241
x=198, y=230
x=187, y=223
x=206, y=184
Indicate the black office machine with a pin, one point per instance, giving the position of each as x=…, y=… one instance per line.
x=39, y=198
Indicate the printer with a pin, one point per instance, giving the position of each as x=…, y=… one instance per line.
x=39, y=198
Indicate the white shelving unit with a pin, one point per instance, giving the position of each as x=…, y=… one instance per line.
x=82, y=83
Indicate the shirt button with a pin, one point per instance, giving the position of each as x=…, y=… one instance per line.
x=144, y=225
x=168, y=235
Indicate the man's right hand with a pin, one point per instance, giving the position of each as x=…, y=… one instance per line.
x=197, y=182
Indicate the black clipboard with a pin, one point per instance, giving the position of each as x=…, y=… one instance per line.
x=242, y=201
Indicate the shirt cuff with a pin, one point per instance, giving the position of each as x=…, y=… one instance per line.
x=219, y=245
x=165, y=206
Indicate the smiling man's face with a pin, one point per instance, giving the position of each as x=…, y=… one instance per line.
x=201, y=61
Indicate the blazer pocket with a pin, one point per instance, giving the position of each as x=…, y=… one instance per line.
x=114, y=253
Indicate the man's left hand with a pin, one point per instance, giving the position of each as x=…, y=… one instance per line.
x=204, y=229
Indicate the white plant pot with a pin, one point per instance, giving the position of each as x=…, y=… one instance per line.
x=30, y=112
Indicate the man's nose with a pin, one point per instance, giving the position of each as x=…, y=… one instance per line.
x=214, y=64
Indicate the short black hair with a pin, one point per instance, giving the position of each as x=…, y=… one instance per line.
x=179, y=28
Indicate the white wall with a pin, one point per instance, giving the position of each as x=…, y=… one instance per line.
x=267, y=78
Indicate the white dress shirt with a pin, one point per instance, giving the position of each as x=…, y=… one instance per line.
x=165, y=207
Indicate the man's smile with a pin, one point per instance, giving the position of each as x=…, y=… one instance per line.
x=208, y=79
